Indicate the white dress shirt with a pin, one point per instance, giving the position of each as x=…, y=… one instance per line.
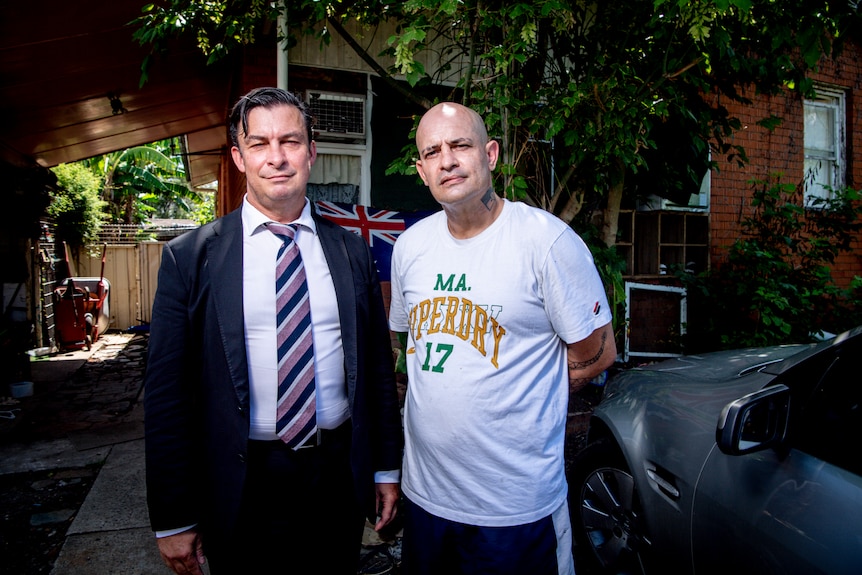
x=260, y=247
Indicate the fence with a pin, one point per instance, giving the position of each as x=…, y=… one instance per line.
x=132, y=271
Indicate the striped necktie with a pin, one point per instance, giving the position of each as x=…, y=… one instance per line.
x=296, y=418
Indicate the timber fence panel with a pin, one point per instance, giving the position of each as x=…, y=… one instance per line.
x=121, y=273
x=150, y=258
x=132, y=271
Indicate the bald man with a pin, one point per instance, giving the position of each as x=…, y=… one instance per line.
x=503, y=315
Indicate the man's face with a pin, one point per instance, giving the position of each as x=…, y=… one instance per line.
x=276, y=158
x=455, y=160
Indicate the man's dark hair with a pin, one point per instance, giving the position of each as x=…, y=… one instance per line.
x=267, y=98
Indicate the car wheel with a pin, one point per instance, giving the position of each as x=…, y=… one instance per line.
x=606, y=512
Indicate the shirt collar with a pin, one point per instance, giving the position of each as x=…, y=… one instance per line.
x=253, y=220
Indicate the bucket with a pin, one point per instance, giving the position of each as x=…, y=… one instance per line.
x=21, y=389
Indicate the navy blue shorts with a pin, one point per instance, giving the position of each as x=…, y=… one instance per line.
x=434, y=546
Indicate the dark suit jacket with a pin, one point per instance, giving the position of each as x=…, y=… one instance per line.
x=197, y=389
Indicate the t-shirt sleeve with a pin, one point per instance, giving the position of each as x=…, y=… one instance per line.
x=575, y=298
x=397, y=311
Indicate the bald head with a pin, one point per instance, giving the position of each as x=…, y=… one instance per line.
x=446, y=112
x=456, y=161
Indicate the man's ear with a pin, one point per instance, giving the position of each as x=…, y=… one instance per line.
x=237, y=158
x=492, y=149
x=312, y=153
x=421, y=171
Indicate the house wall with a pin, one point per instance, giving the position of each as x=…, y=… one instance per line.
x=847, y=73
x=769, y=152
x=782, y=150
x=338, y=55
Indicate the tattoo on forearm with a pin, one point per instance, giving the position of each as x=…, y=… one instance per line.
x=588, y=362
x=578, y=382
x=489, y=198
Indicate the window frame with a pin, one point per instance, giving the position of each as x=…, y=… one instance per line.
x=834, y=99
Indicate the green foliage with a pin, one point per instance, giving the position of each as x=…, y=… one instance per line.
x=204, y=212
x=220, y=26
x=580, y=94
x=76, y=206
x=551, y=85
x=145, y=181
x=776, y=286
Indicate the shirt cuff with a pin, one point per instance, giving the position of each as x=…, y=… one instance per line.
x=169, y=532
x=392, y=476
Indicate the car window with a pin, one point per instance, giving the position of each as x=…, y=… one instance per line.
x=828, y=423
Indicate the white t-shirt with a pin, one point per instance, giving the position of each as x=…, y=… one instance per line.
x=488, y=320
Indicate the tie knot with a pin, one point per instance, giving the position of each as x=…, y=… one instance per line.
x=285, y=231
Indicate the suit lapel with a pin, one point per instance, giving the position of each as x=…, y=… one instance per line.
x=340, y=268
x=224, y=257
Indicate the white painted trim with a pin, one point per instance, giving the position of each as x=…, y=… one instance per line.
x=683, y=317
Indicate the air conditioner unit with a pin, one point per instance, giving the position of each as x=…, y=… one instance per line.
x=337, y=115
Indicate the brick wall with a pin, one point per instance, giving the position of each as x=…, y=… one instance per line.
x=782, y=150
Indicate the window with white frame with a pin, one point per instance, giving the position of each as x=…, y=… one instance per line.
x=342, y=172
x=337, y=175
x=824, y=143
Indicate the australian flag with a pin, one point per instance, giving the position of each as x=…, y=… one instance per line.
x=380, y=228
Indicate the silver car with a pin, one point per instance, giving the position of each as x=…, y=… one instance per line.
x=730, y=462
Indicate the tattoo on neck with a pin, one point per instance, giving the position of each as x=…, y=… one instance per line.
x=489, y=198
x=588, y=362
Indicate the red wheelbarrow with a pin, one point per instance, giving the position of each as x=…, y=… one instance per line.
x=81, y=310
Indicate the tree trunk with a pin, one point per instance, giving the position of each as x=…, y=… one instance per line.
x=573, y=207
x=557, y=192
x=611, y=213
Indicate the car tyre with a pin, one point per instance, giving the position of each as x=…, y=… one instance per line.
x=606, y=517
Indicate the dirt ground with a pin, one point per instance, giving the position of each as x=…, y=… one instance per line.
x=37, y=509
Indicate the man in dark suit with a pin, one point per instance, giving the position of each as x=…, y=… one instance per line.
x=221, y=482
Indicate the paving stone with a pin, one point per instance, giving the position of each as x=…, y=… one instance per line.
x=51, y=517
x=42, y=484
x=77, y=474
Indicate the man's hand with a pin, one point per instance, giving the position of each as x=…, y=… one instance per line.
x=183, y=552
x=387, y=497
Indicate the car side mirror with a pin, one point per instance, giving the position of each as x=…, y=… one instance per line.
x=754, y=422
